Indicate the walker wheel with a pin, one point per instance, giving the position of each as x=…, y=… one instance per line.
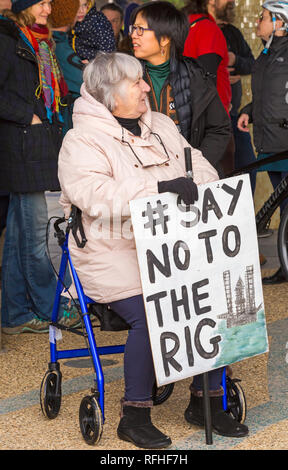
x=236, y=402
x=161, y=394
x=90, y=419
x=50, y=394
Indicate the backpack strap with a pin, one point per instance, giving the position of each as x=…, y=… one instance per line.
x=199, y=19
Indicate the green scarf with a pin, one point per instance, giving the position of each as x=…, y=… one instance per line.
x=158, y=75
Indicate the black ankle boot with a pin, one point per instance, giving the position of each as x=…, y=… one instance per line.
x=222, y=422
x=135, y=426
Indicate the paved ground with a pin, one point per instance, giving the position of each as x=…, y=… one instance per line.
x=24, y=359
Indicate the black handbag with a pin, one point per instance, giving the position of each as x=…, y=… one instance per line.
x=109, y=320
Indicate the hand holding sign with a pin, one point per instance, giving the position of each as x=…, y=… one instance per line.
x=185, y=187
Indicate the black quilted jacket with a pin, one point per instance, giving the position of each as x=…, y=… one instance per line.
x=269, y=108
x=202, y=118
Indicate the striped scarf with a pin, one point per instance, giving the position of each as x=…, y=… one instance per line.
x=52, y=85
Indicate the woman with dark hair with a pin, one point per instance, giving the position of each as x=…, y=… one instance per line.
x=180, y=88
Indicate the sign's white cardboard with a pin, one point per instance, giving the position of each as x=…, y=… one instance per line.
x=201, y=278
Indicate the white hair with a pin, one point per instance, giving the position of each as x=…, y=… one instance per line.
x=105, y=76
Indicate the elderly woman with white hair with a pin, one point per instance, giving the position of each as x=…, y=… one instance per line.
x=119, y=150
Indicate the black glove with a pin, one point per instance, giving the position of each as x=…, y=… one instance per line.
x=185, y=187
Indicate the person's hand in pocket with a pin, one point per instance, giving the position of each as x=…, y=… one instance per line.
x=36, y=120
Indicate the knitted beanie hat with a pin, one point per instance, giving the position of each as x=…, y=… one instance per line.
x=19, y=5
x=63, y=12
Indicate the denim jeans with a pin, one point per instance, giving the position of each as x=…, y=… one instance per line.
x=28, y=280
x=244, y=153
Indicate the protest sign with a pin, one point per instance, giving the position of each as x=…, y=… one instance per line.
x=201, y=278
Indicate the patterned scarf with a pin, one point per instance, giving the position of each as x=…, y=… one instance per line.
x=52, y=84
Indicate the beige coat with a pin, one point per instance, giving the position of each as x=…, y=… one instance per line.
x=100, y=174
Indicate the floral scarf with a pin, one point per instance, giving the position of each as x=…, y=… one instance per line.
x=52, y=84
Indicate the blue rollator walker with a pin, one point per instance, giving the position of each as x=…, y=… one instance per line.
x=91, y=411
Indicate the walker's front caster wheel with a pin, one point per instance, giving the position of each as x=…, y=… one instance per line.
x=90, y=419
x=50, y=394
x=161, y=394
x=236, y=402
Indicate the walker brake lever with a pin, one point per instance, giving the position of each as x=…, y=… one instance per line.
x=59, y=234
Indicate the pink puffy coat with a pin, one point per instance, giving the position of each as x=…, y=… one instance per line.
x=100, y=174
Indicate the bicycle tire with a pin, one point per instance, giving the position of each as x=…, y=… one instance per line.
x=282, y=241
x=264, y=215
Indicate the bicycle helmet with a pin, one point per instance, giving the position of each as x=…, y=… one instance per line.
x=278, y=10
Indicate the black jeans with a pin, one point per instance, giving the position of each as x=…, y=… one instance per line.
x=275, y=178
x=244, y=153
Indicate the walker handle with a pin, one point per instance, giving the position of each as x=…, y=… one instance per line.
x=188, y=162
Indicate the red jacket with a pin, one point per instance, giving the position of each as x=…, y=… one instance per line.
x=205, y=37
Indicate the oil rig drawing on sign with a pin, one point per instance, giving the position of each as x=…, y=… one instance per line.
x=244, y=309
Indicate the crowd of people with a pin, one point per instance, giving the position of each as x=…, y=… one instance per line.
x=134, y=84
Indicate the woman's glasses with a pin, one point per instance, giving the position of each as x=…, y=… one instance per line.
x=157, y=136
x=139, y=30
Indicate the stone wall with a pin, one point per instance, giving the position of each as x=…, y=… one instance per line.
x=246, y=17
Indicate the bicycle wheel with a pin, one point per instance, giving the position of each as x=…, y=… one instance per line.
x=282, y=241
